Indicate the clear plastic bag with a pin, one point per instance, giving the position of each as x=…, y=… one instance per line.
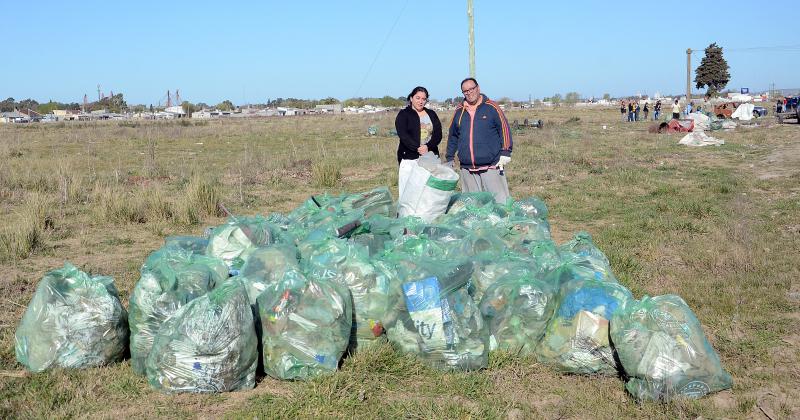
x=581, y=260
x=209, y=345
x=349, y=265
x=517, y=309
x=170, y=278
x=433, y=316
x=306, y=326
x=73, y=321
x=576, y=339
x=230, y=240
x=664, y=352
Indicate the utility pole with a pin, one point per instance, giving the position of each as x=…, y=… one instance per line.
x=471, y=18
x=688, y=75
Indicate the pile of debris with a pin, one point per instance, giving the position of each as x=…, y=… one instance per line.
x=291, y=294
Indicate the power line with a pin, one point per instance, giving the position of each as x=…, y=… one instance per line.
x=385, y=40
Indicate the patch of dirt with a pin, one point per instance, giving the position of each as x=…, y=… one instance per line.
x=724, y=400
x=775, y=404
x=783, y=162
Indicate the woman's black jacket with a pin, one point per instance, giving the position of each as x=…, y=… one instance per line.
x=407, y=126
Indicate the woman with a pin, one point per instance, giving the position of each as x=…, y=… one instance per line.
x=419, y=128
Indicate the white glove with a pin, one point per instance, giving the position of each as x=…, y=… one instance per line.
x=504, y=160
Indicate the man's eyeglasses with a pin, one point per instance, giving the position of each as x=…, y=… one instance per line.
x=470, y=90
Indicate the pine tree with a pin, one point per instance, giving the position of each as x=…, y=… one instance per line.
x=713, y=71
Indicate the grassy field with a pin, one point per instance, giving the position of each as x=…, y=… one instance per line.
x=719, y=226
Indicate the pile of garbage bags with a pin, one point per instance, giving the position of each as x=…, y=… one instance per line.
x=73, y=321
x=290, y=295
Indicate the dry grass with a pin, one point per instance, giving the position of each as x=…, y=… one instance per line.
x=718, y=226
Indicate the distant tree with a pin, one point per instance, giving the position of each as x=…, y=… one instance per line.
x=225, y=105
x=713, y=71
x=556, y=99
x=329, y=101
x=572, y=98
x=49, y=107
x=151, y=108
x=505, y=100
x=607, y=96
x=202, y=105
x=28, y=104
x=7, y=105
x=188, y=107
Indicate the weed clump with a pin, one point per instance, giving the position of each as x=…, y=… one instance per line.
x=26, y=235
x=326, y=174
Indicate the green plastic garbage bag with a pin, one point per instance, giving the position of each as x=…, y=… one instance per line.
x=576, y=339
x=489, y=215
x=374, y=202
x=433, y=316
x=530, y=208
x=73, y=321
x=170, y=278
x=490, y=267
x=230, y=240
x=349, y=265
x=517, y=310
x=664, y=352
x=306, y=327
x=581, y=259
x=523, y=231
x=545, y=255
x=208, y=345
x=461, y=201
x=446, y=242
x=194, y=244
x=267, y=265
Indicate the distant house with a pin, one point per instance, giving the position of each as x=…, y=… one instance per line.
x=328, y=109
x=66, y=114
x=176, y=111
x=13, y=117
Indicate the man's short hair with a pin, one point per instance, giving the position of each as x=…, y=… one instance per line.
x=469, y=79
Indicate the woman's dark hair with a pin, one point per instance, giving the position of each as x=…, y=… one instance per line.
x=414, y=92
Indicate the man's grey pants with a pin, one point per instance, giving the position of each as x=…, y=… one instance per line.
x=490, y=180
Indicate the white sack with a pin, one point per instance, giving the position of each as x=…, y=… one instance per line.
x=699, y=138
x=744, y=112
x=425, y=187
x=701, y=121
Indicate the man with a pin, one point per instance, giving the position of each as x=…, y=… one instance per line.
x=676, y=110
x=480, y=136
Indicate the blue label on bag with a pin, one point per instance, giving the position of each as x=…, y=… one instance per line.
x=426, y=311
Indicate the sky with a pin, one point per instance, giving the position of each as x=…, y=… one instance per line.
x=249, y=52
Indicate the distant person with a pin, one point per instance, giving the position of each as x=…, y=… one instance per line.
x=622, y=110
x=779, y=106
x=418, y=128
x=636, y=111
x=630, y=111
x=676, y=110
x=657, y=111
x=480, y=137
x=646, y=110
